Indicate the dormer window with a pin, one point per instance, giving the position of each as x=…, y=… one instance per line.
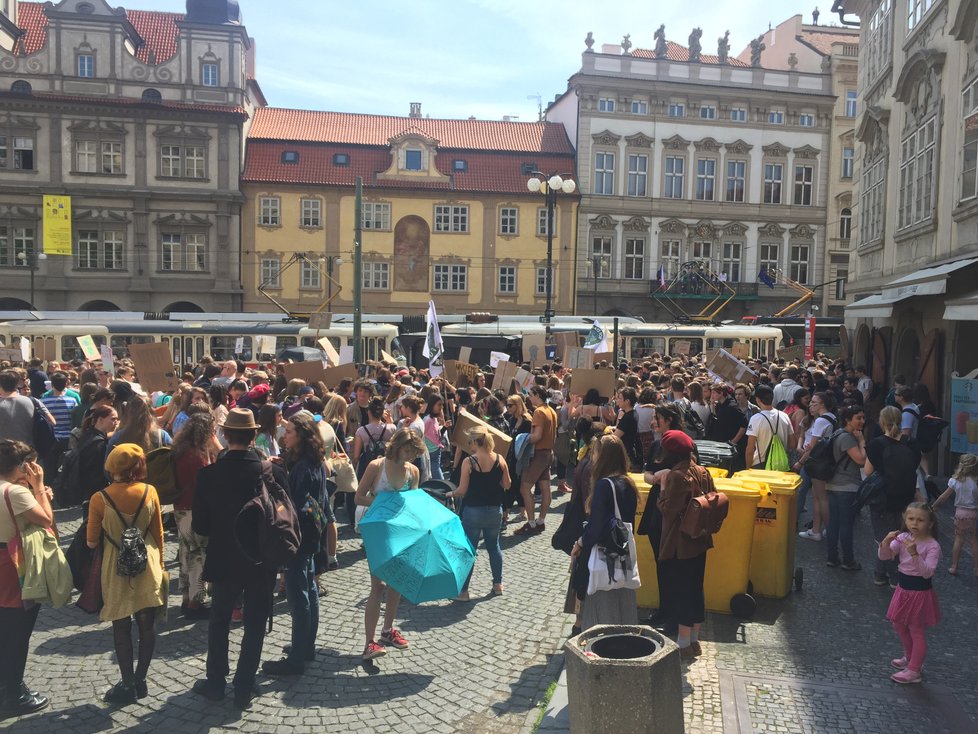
x=341, y=159
x=290, y=156
x=527, y=168
x=460, y=165
x=412, y=159
x=86, y=65
x=210, y=75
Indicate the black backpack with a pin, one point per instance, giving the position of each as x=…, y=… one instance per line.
x=266, y=528
x=67, y=493
x=691, y=419
x=132, y=558
x=821, y=462
x=929, y=430
x=374, y=449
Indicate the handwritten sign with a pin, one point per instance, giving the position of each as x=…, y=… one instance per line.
x=10, y=355
x=466, y=374
x=335, y=375
x=88, y=347
x=239, y=345
x=565, y=340
x=496, y=357
x=25, y=349
x=534, y=348
x=577, y=358
x=525, y=378
x=681, y=346
x=465, y=420
x=108, y=362
x=266, y=344
x=465, y=354
x=505, y=374
x=154, y=366
x=604, y=381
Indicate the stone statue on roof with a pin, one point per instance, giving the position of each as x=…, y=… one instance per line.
x=756, y=47
x=723, y=47
x=660, y=42
x=694, y=44
x=589, y=42
x=626, y=43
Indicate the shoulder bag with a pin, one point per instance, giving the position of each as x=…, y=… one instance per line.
x=614, y=565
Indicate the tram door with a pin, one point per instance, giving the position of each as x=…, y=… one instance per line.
x=187, y=349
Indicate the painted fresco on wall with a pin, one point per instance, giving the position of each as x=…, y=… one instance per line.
x=412, y=250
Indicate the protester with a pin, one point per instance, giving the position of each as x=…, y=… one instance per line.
x=100, y=422
x=849, y=452
x=764, y=426
x=371, y=437
x=542, y=435
x=138, y=425
x=963, y=486
x=16, y=410
x=434, y=423
x=821, y=406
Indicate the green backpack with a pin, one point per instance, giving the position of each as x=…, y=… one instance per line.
x=161, y=472
x=777, y=455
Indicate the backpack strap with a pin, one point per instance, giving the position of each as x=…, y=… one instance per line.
x=135, y=516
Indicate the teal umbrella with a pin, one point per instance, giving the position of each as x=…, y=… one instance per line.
x=416, y=545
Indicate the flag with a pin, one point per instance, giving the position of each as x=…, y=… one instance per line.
x=433, y=345
x=765, y=278
x=596, y=339
x=662, y=276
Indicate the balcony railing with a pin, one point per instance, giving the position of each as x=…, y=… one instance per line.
x=676, y=290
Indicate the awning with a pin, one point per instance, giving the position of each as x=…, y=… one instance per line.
x=872, y=307
x=962, y=309
x=924, y=282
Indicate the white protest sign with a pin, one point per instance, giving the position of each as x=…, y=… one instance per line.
x=496, y=357
x=346, y=354
x=25, y=349
x=239, y=345
x=331, y=355
x=465, y=354
x=266, y=344
x=108, y=363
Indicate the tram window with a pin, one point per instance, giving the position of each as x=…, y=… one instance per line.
x=120, y=344
x=70, y=349
x=370, y=349
x=177, y=351
x=222, y=347
x=646, y=346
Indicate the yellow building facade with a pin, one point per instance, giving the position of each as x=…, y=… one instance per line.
x=446, y=214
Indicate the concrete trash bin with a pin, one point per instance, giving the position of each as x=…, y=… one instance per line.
x=624, y=678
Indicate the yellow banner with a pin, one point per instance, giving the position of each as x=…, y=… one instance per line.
x=57, y=225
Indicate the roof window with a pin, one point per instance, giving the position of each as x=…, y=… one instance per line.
x=341, y=159
x=290, y=156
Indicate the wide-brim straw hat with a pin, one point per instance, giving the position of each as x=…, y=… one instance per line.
x=240, y=419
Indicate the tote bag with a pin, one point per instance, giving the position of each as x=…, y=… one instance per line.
x=609, y=570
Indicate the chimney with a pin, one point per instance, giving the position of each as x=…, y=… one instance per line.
x=415, y=110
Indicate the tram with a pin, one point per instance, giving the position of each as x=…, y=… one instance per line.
x=828, y=334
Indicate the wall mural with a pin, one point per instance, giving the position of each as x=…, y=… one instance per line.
x=412, y=250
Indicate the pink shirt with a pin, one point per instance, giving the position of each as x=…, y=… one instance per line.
x=925, y=564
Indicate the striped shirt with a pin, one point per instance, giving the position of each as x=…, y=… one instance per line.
x=60, y=406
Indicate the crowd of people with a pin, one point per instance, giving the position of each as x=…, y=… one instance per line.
x=230, y=427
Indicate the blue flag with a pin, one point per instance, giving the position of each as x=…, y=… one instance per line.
x=765, y=278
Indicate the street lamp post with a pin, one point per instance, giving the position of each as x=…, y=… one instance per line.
x=30, y=258
x=550, y=187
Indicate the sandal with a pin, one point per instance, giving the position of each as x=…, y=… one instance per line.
x=953, y=570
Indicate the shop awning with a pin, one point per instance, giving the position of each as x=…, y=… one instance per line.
x=924, y=282
x=962, y=309
x=872, y=307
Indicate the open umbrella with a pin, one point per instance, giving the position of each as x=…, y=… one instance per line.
x=416, y=545
x=301, y=354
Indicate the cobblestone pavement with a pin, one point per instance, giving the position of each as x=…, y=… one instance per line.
x=815, y=662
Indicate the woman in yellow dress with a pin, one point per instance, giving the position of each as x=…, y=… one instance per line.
x=128, y=502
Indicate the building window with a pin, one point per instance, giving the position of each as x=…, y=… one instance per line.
x=604, y=174
x=738, y=114
x=601, y=250
x=451, y=278
x=708, y=112
x=309, y=276
x=806, y=120
x=730, y=264
x=541, y=282
x=879, y=40
x=871, y=201
x=509, y=220
x=98, y=156
x=634, y=259
x=851, y=103
x=183, y=252
x=775, y=117
x=341, y=159
x=804, y=185
x=799, y=263
x=376, y=276
x=640, y=107
x=676, y=109
x=671, y=259
x=969, y=161
x=606, y=104
x=507, y=279
x=86, y=66
x=773, y=180
x=769, y=256
x=290, y=156
x=460, y=165
x=736, y=181
x=271, y=272
x=917, y=174
x=269, y=211
x=376, y=215
x=706, y=177
x=638, y=166
x=182, y=161
x=703, y=253
x=452, y=218
x=100, y=250
x=412, y=160
x=311, y=213
x=845, y=224
x=16, y=152
x=542, y=222
x=15, y=241
x=675, y=169
x=841, y=277
x=916, y=10
x=848, y=162
x=210, y=75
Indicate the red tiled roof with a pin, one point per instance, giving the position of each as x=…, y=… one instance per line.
x=356, y=129
x=158, y=30
x=822, y=41
x=487, y=172
x=128, y=102
x=675, y=52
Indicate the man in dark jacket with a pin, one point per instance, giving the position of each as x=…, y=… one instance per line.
x=222, y=490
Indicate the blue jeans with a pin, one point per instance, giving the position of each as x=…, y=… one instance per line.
x=435, y=457
x=300, y=590
x=803, y=489
x=487, y=522
x=842, y=518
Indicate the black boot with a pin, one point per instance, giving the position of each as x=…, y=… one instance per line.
x=121, y=693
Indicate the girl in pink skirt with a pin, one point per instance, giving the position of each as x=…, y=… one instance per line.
x=914, y=604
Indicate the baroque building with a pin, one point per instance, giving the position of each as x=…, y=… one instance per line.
x=446, y=213
x=138, y=117
x=695, y=163
x=916, y=196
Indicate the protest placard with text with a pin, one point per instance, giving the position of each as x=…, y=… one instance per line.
x=154, y=366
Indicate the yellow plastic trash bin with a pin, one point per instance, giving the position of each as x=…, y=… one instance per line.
x=718, y=472
x=772, y=568
x=728, y=562
x=647, y=595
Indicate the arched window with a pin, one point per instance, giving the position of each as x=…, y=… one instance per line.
x=21, y=87
x=152, y=96
x=845, y=224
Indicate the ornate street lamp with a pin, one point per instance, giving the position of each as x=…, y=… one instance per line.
x=550, y=187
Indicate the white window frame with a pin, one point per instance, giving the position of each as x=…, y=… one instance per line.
x=851, y=103
x=670, y=257
x=848, y=162
x=509, y=220
x=736, y=184
x=541, y=282
x=270, y=272
x=506, y=280
x=703, y=252
x=376, y=276
x=606, y=104
x=603, y=247
x=706, y=179
x=640, y=107
x=100, y=249
x=376, y=215
x=450, y=278
x=917, y=166
x=604, y=173
x=269, y=211
x=799, y=265
x=85, y=65
x=773, y=183
x=310, y=213
x=210, y=74
x=969, y=164
x=634, y=260
x=15, y=239
x=183, y=160
x=775, y=117
x=638, y=175
x=708, y=112
x=845, y=223
x=916, y=10
x=731, y=260
x=806, y=119
x=676, y=109
x=451, y=218
x=738, y=114
x=98, y=156
x=674, y=170
x=542, y=222
x=804, y=188
x=769, y=255
x=183, y=252
x=309, y=276
x=872, y=196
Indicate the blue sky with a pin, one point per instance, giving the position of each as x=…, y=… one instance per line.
x=463, y=57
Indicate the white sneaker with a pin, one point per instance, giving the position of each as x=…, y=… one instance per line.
x=809, y=535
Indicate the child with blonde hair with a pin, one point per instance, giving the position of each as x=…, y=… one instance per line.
x=964, y=486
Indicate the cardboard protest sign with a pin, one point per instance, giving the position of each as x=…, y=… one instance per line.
x=729, y=369
x=320, y=320
x=525, y=378
x=387, y=357
x=108, y=362
x=576, y=358
x=604, y=381
x=466, y=374
x=88, y=347
x=10, y=355
x=44, y=348
x=331, y=354
x=310, y=372
x=346, y=354
x=450, y=373
x=681, y=346
x=465, y=354
x=266, y=344
x=154, y=366
x=505, y=374
x=465, y=420
x=535, y=348
x=496, y=357
x=740, y=350
x=603, y=357
x=334, y=375
x=565, y=340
